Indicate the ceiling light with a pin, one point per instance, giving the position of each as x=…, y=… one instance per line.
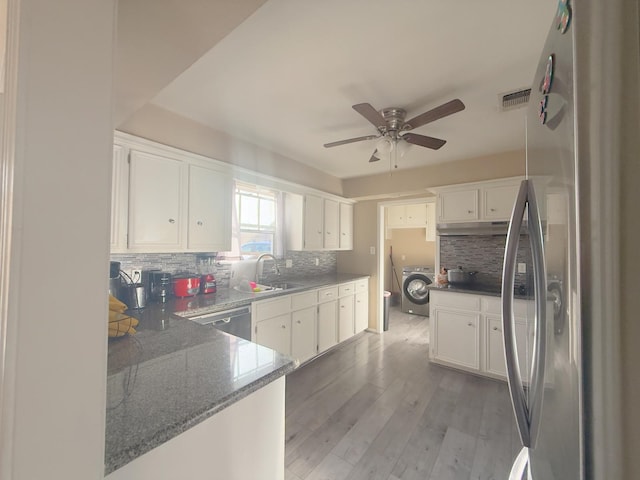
x=384, y=146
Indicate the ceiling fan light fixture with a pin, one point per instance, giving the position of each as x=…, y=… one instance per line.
x=384, y=146
x=402, y=147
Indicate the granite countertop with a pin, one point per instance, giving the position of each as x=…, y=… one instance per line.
x=174, y=373
x=226, y=298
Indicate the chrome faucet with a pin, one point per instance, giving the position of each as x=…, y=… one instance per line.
x=275, y=265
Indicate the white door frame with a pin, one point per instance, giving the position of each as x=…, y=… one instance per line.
x=381, y=253
x=8, y=325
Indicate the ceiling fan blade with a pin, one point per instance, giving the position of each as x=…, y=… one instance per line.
x=374, y=156
x=371, y=114
x=443, y=110
x=424, y=141
x=350, y=140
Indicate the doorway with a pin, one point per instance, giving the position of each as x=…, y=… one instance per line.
x=406, y=237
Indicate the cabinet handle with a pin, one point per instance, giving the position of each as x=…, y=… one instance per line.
x=328, y=233
x=284, y=326
x=341, y=306
x=199, y=223
x=469, y=211
x=171, y=220
x=319, y=231
x=496, y=329
x=492, y=209
x=299, y=322
x=343, y=233
x=470, y=324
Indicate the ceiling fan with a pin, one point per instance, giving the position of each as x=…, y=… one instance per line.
x=392, y=128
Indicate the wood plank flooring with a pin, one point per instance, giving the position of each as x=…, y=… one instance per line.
x=374, y=408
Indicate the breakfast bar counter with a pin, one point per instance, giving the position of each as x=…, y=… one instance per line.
x=174, y=373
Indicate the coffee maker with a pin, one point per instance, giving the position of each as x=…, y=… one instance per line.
x=160, y=285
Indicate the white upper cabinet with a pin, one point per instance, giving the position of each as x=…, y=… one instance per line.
x=458, y=206
x=210, y=194
x=312, y=222
x=119, y=199
x=497, y=202
x=168, y=200
x=331, y=224
x=413, y=215
x=157, y=201
x=346, y=226
x=485, y=201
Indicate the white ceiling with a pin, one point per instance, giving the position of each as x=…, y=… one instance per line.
x=286, y=78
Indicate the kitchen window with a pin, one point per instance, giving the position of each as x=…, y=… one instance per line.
x=255, y=221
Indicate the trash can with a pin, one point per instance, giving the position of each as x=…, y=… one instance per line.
x=385, y=318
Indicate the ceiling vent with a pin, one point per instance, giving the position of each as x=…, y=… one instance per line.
x=514, y=99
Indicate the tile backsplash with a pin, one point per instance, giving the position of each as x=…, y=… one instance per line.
x=484, y=254
x=303, y=264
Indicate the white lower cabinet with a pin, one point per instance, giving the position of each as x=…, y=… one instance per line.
x=495, y=360
x=275, y=333
x=346, y=319
x=306, y=324
x=456, y=337
x=466, y=332
x=327, y=318
x=362, y=311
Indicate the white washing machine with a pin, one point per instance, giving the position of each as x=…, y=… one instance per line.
x=415, y=294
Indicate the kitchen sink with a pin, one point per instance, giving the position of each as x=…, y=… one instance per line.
x=286, y=285
x=262, y=288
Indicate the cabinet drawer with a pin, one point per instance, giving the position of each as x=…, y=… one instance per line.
x=346, y=289
x=272, y=308
x=362, y=286
x=328, y=293
x=459, y=301
x=493, y=305
x=304, y=300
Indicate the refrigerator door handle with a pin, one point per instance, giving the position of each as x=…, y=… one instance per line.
x=516, y=389
x=540, y=330
x=519, y=466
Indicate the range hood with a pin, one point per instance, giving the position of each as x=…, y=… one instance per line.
x=475, y=228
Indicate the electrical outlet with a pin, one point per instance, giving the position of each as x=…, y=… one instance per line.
x=135, y=274
x=288, y=263
x=522, y=268
x=372, y=250
x=317, y=262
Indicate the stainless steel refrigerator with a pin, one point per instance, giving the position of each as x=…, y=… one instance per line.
x=546, y=388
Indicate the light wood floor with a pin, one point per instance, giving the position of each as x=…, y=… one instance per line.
x=375, y=408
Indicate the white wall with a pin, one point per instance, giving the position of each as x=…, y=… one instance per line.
x=53, y=405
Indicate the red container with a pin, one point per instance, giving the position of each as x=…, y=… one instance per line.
x=186, y=285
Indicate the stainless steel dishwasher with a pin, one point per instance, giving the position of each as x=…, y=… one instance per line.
x=236, y=321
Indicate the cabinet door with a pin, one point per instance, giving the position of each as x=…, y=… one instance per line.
x=495, y=348
x=313, y=223
x=331, y=225
x=303, y=334
x=156, y=202
x=396, y=215
x=119, y=178
x=346, y=226
x=210, y=194
x=416, y=214
x=275, y=333
x=456, y=338
x=346, y=324
x=458, y=206
x=430, y=234
x=327, y=325
x=362, y=311
x=498, y=202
